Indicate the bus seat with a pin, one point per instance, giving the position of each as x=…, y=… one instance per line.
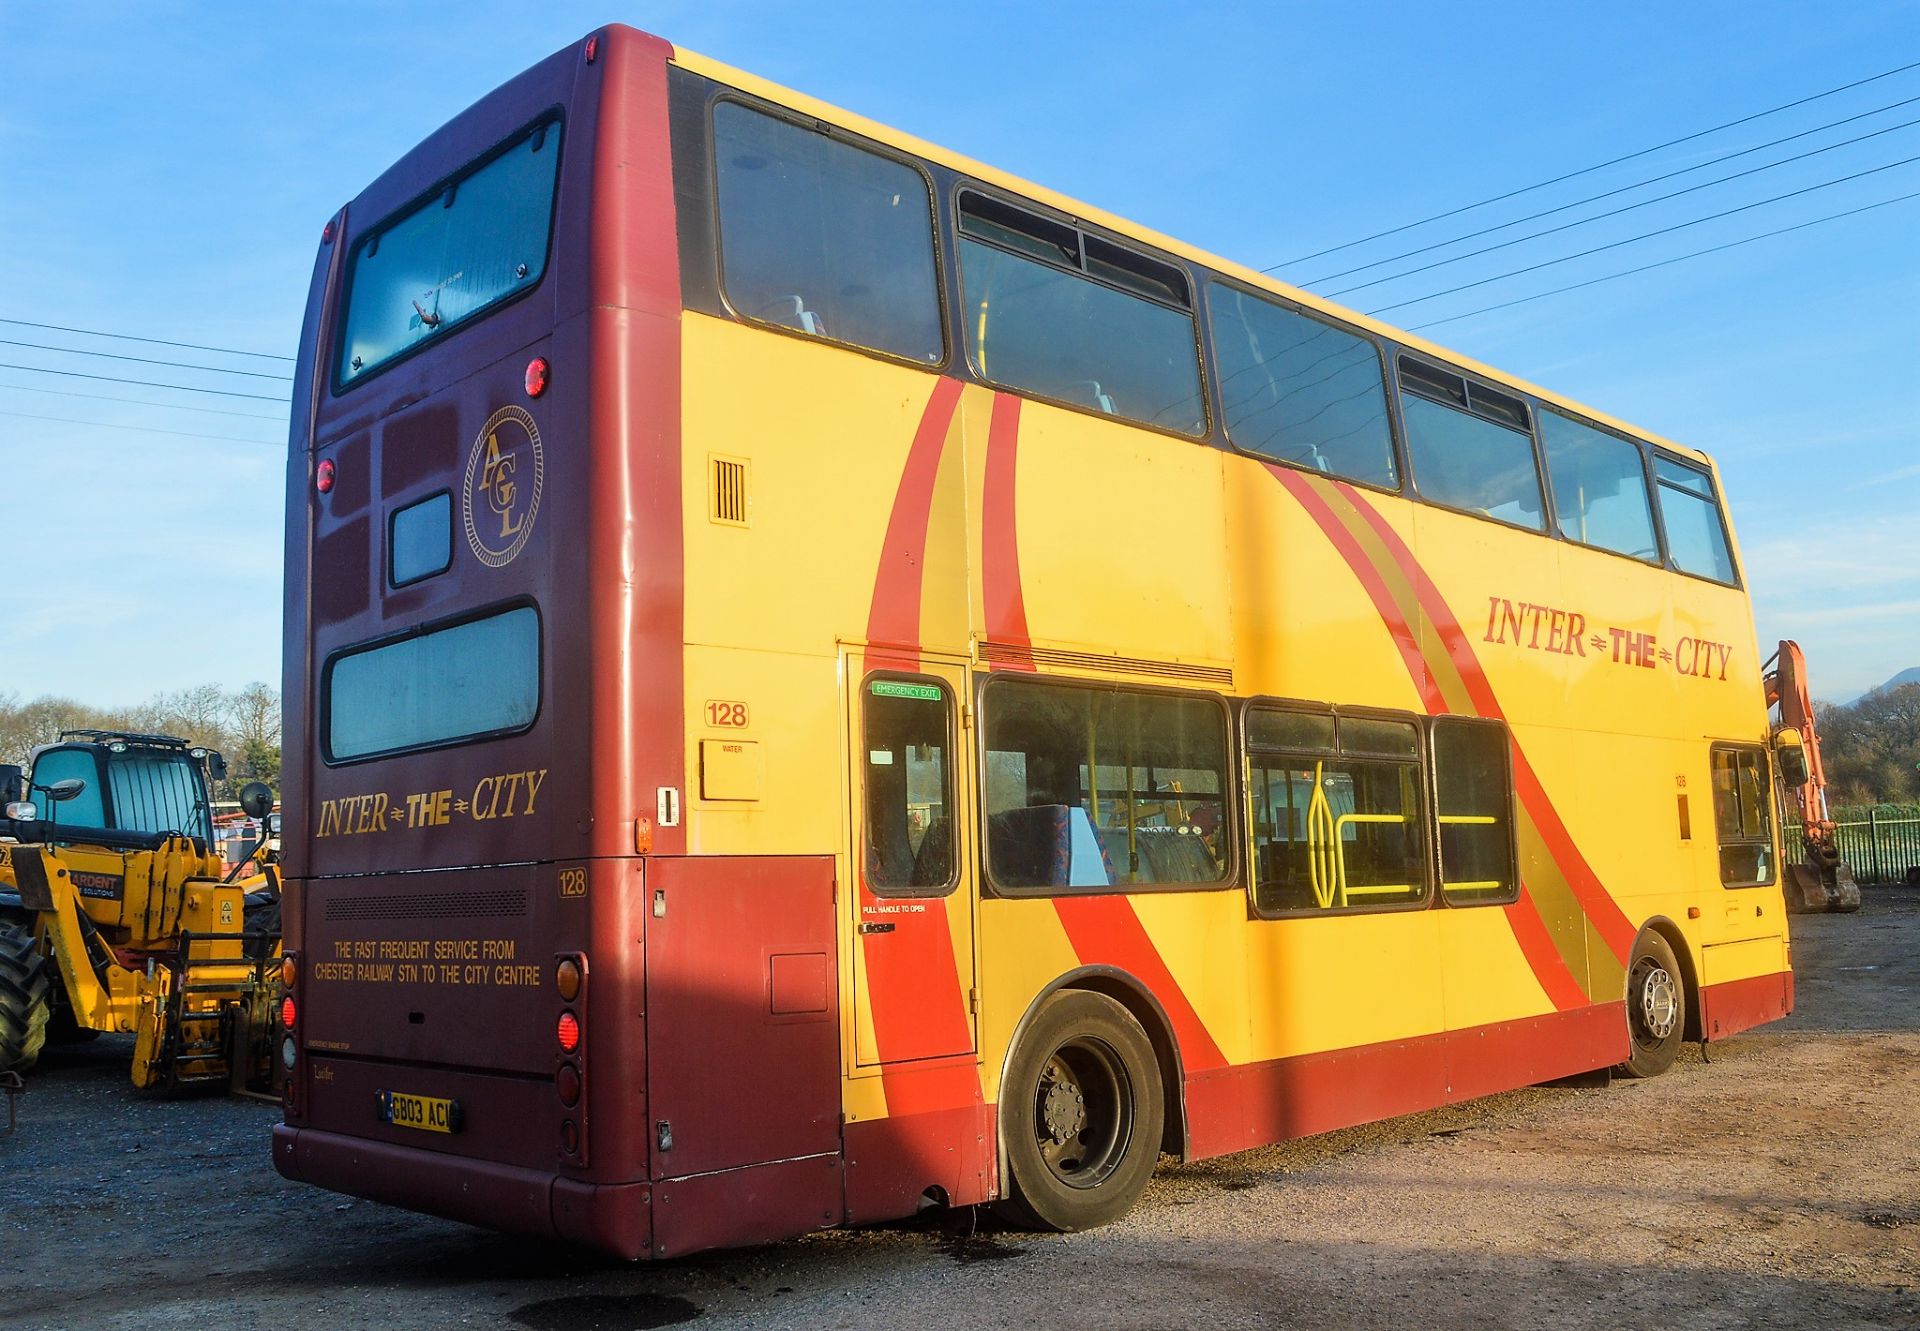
x=1088, y=865
x=792, y=312
x=1113, y=848
x=1178, y=858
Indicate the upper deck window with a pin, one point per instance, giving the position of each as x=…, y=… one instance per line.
x=825, y=238
x=1599, y=487
x=1301, y=391
x=1469, y=446
x=474, y=241
x=1696, y=537
x=1053, y=311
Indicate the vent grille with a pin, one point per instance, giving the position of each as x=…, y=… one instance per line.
x=728, y=487
x=1006, y=653
x=430, y=905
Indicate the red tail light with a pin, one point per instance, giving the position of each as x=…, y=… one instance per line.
x=538, y=372
x=568, y=1032
x=287, y=1013
x=323, y=476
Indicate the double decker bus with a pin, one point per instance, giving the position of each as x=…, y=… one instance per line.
x=826, y=679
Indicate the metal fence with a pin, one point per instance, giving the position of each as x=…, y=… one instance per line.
x=1880, y=845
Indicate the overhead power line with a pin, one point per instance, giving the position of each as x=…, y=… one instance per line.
x=142, y=429
x=154, y=341
x=143, y=402
x=1599, y=166
x=141, y=383
x=1624, y=208
x=1645, y=235
x=147, y=360
x=1663, y=263
x=1608, y=194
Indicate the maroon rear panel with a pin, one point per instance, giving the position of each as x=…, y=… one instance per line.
x=431, y=893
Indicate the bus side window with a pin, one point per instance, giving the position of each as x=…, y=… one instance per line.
x=1473, y=799
x=1338, y=822
x=1599, y=487
x=1696, y=536
x=1301, y=391
x=908, y=841
x=824, y=238
x=1065, y=315
x=1469, y=446
x=1094, y=788
x=1742, y=820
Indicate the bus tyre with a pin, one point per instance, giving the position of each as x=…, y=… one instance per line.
x=1656, y=1007
x=25, y=999
x=1082, y=1114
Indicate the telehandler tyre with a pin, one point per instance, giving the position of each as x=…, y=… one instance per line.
x=26, y=993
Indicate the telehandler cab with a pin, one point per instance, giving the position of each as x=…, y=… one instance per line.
x=118, y=914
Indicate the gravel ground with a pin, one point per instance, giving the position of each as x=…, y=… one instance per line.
x=1777, y=1185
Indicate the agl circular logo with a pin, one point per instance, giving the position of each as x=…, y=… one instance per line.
x=505, y=473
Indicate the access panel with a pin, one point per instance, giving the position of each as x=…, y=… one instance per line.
x=743, y=1064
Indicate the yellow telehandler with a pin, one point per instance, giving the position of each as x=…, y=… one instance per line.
x=118, y=914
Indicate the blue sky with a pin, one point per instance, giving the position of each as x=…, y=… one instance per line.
x=165, y=169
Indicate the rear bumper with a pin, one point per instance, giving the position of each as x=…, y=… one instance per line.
x=613, y=1217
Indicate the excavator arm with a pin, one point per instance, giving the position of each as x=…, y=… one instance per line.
x=1820, y=880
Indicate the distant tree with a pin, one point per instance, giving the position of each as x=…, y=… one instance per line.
x=1870, y=746
x=254, y=715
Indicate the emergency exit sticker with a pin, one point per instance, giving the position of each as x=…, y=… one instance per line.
x=898, y=688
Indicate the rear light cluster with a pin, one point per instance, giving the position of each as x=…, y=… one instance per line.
x=289, y=1026
x=570, y=1035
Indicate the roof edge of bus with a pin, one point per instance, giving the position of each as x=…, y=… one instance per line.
x=757, y=86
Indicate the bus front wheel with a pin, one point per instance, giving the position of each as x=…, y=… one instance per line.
x=1083, y=1113
x=1656, y=1007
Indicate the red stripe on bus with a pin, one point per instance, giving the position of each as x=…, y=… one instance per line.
x=913, y=988
x=1614, y=927
x=1549, y=967
x=895, y=613
x=1536, y=944
x=1003, y=602
x=1105, y=931
x=1363, y=568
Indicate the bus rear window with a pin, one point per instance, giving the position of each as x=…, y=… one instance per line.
x=473, y=242
x=464, y=681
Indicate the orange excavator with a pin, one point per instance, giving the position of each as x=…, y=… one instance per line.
x=1821, y=880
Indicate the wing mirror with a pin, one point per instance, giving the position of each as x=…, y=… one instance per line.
x=27, y=811
x=256, y=799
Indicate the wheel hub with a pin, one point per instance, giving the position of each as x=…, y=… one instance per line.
x=1659, y=1003
x=1063, y=1110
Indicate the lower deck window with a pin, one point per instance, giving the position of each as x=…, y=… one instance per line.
x=1337, y=820
x=1473, y=788
x=481, y=677
x=1094, y=788
x=1742, y=817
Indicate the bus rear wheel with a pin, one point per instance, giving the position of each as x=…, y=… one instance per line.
x=26, y=994
x=1656, y=1007
x=1083, y=1114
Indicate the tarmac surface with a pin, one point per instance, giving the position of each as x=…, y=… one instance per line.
x=1775, y=1183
